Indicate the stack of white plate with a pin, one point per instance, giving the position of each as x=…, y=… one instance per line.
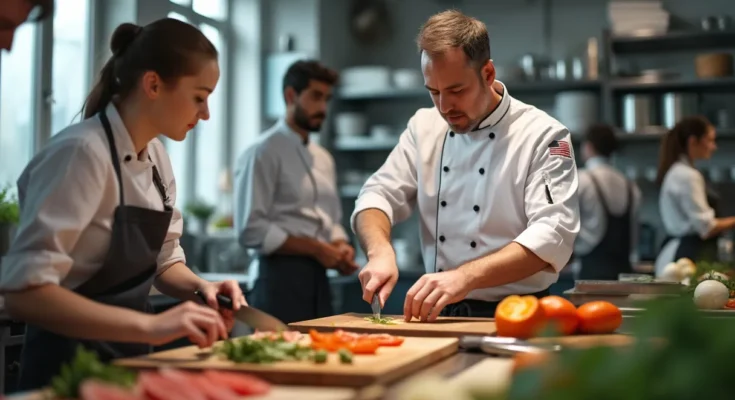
x=643, y=17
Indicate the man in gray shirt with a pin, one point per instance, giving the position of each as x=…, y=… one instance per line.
x=287, y=209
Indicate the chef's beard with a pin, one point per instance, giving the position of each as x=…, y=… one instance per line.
x=304, y=121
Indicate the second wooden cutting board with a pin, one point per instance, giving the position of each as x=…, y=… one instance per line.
x=442, y=327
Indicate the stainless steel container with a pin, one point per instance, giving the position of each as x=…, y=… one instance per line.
x=677, y=106
x=639, y=112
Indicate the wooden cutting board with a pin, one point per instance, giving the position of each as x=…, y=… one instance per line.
x=442, y=327
x=389, y=364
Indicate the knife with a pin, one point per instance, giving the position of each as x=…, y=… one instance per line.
x=250, y=316
x=375, y=305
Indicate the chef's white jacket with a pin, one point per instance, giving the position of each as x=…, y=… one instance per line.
x=284, y=186
x=68, y=194
x=613, y=186
x=512, y=179
x=683, y=207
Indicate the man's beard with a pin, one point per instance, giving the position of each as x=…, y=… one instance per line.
x=304, y=121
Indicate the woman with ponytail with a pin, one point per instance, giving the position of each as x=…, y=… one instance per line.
x=688, y=207
x=98, y=225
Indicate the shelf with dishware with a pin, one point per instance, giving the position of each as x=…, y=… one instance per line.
x=645, y=84
x=674, y=41
x=365, y=143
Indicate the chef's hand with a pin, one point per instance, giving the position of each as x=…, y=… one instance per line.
x=379, y=275
x=432, y=292
x=201, y=324
x=347, y=266
x=328, y=255
x=229, y=288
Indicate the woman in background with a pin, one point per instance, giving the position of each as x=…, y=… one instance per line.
x=98, y=227
x=688, y=207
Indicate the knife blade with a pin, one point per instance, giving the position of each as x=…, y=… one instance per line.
x=250, y=316
x=375, y=305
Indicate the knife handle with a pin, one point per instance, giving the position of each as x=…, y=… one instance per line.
x=222, y=300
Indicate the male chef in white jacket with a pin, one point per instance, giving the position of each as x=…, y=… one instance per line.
x=494, y=181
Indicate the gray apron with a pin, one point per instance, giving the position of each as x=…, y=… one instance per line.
x=292, y=288
x=611, y=256
x=124, y=280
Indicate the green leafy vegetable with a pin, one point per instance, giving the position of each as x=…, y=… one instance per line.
x=9, y=210
x=382, y=321
x=86, y=365
x=263, y=350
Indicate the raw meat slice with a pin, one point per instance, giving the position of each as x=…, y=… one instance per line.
x=97, y=390
x=159, y=387
x=240, y=383
x=203, y=385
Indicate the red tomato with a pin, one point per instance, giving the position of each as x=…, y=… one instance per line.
x=599, y=317
x=730, y=303
x=561, y=313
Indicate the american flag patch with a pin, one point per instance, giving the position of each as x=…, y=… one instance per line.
x=560, y=148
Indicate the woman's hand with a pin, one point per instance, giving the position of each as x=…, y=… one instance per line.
x=229, y=288
x=202, y=325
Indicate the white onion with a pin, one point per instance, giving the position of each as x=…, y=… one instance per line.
x=711, y=295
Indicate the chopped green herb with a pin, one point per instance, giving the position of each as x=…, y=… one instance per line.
x=382, y=321
x=263, y=350
x=86, y=365
x=345, y=356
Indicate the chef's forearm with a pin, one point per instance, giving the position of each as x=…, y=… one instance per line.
x=510, y=264
x=64, y=312
x=373, y=231
x=180, y=282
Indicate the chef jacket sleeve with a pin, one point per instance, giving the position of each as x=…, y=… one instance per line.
x=171, y=251
x=338, y=231
x=551, y=202
x=59, y=194
x=255, y=189
x=392, y=189
x=693, y=194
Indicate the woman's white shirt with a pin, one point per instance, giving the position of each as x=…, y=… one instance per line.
x=684, y=208
x=68, y=194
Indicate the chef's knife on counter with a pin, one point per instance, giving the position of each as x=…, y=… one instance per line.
x=504, y=346
x=250, y=316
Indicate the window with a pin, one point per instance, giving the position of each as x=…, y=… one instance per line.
x=199, y=161
x=70, y=61
x=17, y=128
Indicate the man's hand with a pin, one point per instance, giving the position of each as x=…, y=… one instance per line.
x=348, y=265
x=379, y=275
x=427, y=297
x=229, y=288
x=328, y=255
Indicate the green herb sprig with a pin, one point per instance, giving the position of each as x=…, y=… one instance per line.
x=86, y=365
x=381, y=321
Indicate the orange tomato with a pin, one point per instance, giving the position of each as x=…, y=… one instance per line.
x=523, y=361
x=519, y=316
x=599, y=317
x=730, y=303
x=560, y=313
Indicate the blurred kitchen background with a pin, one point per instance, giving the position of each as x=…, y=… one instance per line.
x=639, y=65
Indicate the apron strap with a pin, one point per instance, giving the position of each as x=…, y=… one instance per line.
x=113, y=149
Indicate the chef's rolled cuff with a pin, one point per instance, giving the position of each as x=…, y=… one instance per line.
x=368, y=200
x=547, y=244
x=338, y=233
x=274, y=238
x=170, y=254
x=26, y=269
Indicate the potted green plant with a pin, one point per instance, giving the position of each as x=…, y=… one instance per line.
x=9, y=216
x=201, y=212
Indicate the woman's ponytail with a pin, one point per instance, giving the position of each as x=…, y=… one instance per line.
x=675, y=143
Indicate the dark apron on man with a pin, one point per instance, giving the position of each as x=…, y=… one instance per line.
x=611, y=256
x=292, y=288
x=124, y=280
x=692, y=246
x=479, y=308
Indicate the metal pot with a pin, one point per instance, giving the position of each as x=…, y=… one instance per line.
x=677, y=106
x=639, y=112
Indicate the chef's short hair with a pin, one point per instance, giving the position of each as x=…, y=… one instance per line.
x=300, y=73
x=602, y=138
x=452, y=29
